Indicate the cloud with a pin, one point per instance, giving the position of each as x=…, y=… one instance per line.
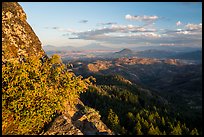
x=83, y=21
x=108, y=23
x=167, y=44
x=112, y=30
x=91, y=33
x=131, y=28
x=194, y=26
x=142, y=18
x=146, y=35
x=56, y=28
x=189, y=29
x=183, y=32
x=178, y=23
x=62, y=29
x=189, y=35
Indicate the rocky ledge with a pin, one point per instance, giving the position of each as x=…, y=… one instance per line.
x=78, y=120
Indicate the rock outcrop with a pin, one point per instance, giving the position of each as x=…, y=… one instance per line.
x=18, y=38
x=78, y=120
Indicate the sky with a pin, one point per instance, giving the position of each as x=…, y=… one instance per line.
x=116, y=24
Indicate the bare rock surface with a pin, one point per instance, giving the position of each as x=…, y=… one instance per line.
x=84, y=121
x=18, y=38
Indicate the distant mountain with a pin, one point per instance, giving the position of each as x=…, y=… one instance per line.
x=95, y=46
x=55, y=48
x=92, y=46
x=48, y=47
x=125, y=51
x=194, y=55
x=153, y=53
x=166, y=48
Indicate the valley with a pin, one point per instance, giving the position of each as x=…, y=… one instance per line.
x=177, y=83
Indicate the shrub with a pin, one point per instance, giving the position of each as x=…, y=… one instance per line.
x=33, y=92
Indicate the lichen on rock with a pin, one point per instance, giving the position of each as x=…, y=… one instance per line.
x=18, y=38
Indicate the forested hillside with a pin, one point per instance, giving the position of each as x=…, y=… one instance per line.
x=132, y=110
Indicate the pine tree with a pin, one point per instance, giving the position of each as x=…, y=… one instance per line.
x=194, y=132
x=113, y=120
x=137, y=128
x=139, y=132
x=138, y=118
x=151, y=130
x=177, y=130
x=151, y=117
x=130, y=120
x=163, y=121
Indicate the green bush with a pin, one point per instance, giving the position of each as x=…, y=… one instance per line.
x=32, y=92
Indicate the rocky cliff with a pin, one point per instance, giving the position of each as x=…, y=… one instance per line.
x=18, y=41
x=18, y=38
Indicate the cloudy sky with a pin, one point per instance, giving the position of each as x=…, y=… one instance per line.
x=116, y=24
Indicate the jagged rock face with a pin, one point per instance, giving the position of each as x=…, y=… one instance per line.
x=78, y=120
x=18, y=38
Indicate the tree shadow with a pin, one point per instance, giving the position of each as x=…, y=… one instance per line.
x=47, y=126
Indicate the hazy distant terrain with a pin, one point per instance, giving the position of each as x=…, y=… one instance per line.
x=98, y=51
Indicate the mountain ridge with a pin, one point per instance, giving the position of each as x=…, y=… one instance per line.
x=92, y=46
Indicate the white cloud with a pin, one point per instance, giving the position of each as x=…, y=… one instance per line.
x=178, y=23
x=183, y=32
x=131, y=28
x=190, y=29
x=189, y=35
x=113, y=30
x=194, y=26
x=146, y=35
x=141, y=18
x=128, y=17
x=167, y=44
x=193, y=30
